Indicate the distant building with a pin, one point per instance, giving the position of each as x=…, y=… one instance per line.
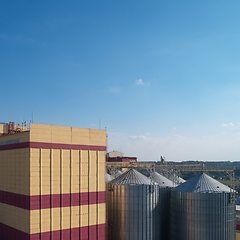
x=116, y=156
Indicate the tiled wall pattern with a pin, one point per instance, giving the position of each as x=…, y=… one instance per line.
x=52, y=184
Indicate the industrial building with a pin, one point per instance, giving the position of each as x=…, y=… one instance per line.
x=52, y=187
x=116, y=156
x=52, y=183
x=199, y=209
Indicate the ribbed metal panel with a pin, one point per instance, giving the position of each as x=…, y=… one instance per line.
x=163, y=208
x=204, y=215
x=173, y=177
x=131, y=177
x=202, y=183
x=132, y=208
x=116, y=174
x=162, y=181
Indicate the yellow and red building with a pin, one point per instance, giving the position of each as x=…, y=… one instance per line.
x=52, y=183
x=116, y=156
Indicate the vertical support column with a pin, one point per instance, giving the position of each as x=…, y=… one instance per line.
x=92, y=195
x=45, y=193
x=70, y=191
x=51, y=181
x=84, y=200
x=40, y=191
x=56, y=194
x=75, y=194
x=61, y=192
x=80, y=160
x=89, y=196
x=66, y=209
x=97, y=187
x=101, y=192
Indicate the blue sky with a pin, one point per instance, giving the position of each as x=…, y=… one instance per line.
x=163, y=76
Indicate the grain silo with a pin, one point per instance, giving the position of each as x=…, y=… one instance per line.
x=163, y=207
x=173, y=177
x=202, y=209
x=162, y=181
x=132, y=199
x=116, y=173
x=109, y=177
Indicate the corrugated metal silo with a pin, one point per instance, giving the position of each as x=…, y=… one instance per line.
x=173, y=177
x=202, y=209
x=108, y=177
x=163, y=207
x=117, y=174
x=132, y=200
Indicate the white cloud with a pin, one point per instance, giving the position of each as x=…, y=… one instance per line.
x=228, y=124
x=114, y=89
x=174, y=128
x=141, y=137
x=176, y=148
x=139, y=82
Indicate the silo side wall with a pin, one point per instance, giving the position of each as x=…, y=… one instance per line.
x=132, y=212
x=163, y=210
x=202, y=216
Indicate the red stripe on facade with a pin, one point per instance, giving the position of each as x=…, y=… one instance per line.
x=14, y=146
x=51, y=146
x=9, y=233
x=52, y=200
x=238, y=227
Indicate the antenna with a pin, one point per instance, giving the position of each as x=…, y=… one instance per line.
x=106, y=140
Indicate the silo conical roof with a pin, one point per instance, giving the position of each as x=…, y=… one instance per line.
x=161, y=180
x=131, y=177
x=108, y=177
x=116, y=174
x=202, y=183
x=181, y=180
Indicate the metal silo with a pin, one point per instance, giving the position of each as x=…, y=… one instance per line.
x=162, y=181
x=202, y=209
x=163, y=207
x=116, y=174
x=132, y=200
x=173, y=177
x=108, y=177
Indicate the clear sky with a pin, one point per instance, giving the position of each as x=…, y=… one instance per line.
x=162, y=76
